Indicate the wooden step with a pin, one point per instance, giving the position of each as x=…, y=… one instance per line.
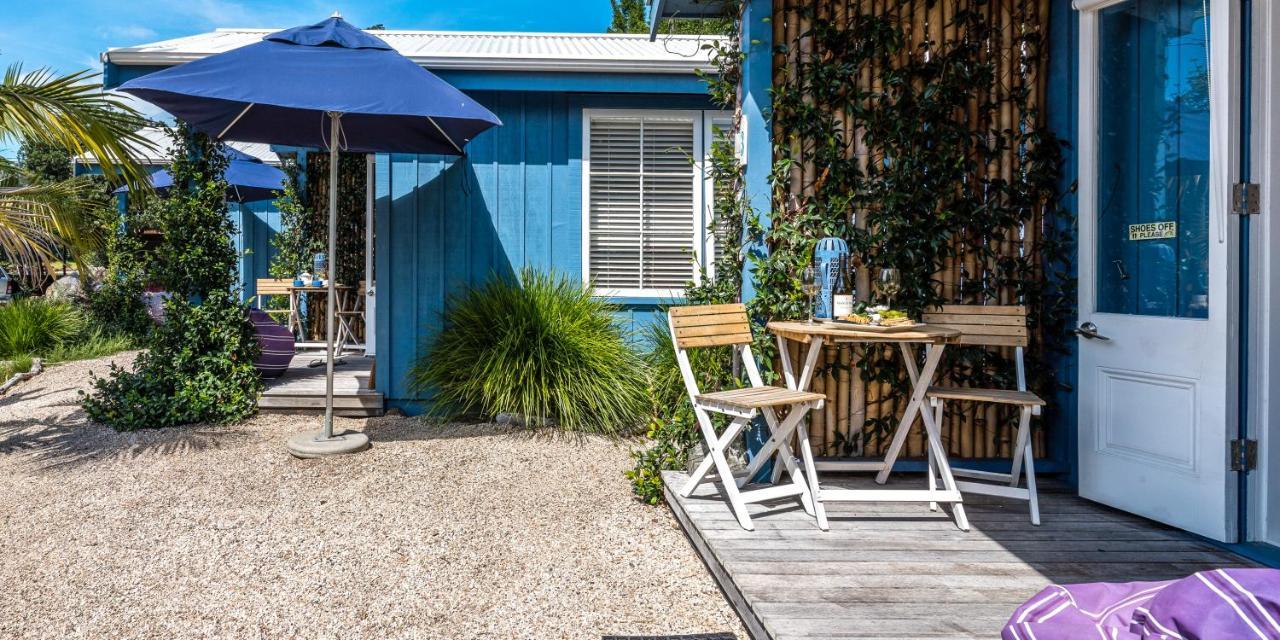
x=344, y=404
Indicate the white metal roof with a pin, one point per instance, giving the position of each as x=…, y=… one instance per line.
x=159, y=154
x=477, y=50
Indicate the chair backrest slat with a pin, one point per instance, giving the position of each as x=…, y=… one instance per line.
x=272, y=286
x=985, y=325
x=714, y=325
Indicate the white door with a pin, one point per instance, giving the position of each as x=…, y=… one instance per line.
x=1156, y=156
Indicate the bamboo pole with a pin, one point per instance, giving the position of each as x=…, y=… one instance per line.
x=833, y=395
x=842, y=404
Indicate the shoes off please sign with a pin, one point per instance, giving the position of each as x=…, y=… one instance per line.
x=1153, y=230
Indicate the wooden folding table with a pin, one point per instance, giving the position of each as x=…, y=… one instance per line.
x=342, y=302
x=934, y=339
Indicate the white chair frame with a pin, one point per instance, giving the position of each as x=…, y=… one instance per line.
x=1023, y=458
x=777, y=447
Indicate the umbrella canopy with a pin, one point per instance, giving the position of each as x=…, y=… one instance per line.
x=248, y=178
x=279, y=90
x=328, y=85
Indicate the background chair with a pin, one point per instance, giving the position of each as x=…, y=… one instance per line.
x=275, y=287
x=993, y=326
x=347, y=319
x=727, y=325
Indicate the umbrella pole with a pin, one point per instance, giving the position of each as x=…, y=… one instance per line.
x=334, y=121
x=324, y=442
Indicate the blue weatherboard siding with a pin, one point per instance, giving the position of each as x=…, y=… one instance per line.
x=757, y=105
x=1062, y=117
x=256, y=224
x=515, y=200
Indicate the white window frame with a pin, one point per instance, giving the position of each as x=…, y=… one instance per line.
x=700, y=242
x=711, y=119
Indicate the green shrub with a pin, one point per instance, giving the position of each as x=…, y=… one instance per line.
x=543, y=348
x=34, y=325
x=198, y=366
x=199, y=369
x=116, y=305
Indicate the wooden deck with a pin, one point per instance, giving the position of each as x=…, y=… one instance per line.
x=901, y=571
x=301, y=388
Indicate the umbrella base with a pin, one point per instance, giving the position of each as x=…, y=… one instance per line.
x=313, y=444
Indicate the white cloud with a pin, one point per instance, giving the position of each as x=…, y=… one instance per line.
x=129, y=32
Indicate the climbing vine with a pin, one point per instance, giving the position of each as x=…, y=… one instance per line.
x=293, y=243
x=914, y=130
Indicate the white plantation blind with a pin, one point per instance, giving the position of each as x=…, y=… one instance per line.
x=641, y=202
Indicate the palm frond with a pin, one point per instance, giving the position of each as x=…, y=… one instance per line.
x=72, y=111
x=26, y=232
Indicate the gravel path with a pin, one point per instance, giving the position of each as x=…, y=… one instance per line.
x=437, y=532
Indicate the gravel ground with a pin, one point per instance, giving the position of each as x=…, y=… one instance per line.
x=437, y=532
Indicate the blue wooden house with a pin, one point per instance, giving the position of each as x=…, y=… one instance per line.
x=1170, y=417
x=590, y=176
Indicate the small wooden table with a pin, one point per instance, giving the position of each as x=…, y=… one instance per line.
x=935, y=340
x=342, y=302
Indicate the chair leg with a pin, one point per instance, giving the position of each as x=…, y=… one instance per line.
x=713, y=443
x=932, y=470
x=934, y=440
x=811, y=473
x=788, y=457
x=1024, y=453
x=727, y=483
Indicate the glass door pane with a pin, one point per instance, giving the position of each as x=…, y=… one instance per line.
x=1153, y=159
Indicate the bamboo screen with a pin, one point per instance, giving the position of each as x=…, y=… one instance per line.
x=352, y=185
x=858, y=415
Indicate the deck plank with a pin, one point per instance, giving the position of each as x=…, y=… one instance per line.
x=892, y=570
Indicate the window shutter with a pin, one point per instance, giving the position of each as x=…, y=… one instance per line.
x=641, y=202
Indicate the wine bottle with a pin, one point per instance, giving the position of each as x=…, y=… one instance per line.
x=842, y=294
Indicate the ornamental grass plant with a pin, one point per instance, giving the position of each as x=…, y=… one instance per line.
x=36, y=325
x=541, y=347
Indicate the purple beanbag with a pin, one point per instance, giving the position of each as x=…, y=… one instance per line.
x=276, y=342
x=1223, y=603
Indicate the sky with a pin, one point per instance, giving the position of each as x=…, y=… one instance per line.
x=69, y=35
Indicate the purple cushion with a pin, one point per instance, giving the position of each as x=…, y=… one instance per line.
x=1223, y=603
x=276, y=342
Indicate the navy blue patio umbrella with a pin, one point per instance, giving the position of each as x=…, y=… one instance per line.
x=249, y=179
x=327, y=85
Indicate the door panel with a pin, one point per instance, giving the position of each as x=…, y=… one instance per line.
x=1150, y=419
x=1153, y=272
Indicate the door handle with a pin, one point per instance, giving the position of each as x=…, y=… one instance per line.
x=1090, y=330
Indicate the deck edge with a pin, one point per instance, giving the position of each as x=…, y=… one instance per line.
x=754, y=625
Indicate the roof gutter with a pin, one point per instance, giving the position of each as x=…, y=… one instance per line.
x=125, y=57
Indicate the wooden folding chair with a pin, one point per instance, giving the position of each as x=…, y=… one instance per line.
x=993, y=326
x=275, y=287
x=727, y=325
x=348, y=317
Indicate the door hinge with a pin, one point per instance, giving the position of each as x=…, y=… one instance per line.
x=1244, y=455
x=1246, y=199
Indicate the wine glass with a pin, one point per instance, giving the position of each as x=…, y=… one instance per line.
x=890, y=284
x=810, y=285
